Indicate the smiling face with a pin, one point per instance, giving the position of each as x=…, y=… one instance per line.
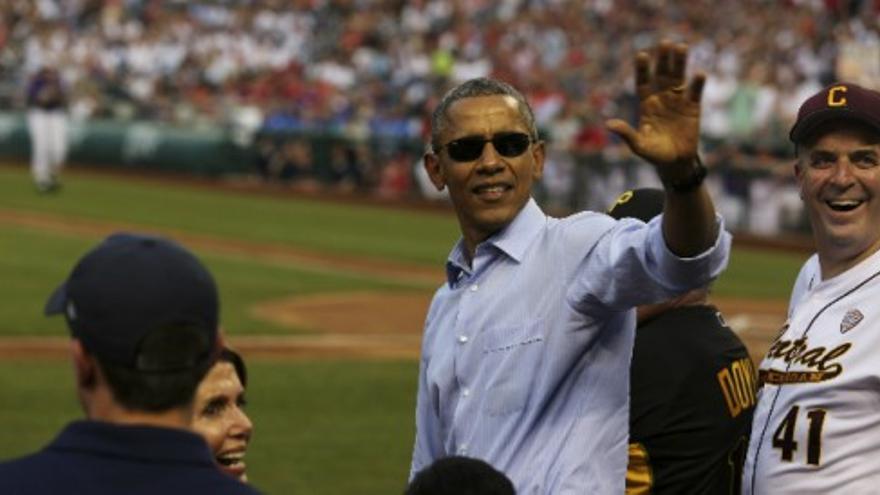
x=839, y=179
x=220, y=418
x=489, y=191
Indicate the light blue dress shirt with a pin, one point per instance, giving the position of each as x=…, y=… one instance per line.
x=526, y=354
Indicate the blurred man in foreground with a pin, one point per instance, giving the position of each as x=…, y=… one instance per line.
x=143, y=316
x=457, y=475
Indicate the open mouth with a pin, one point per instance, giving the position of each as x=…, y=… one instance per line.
x=491, y=190
x=844, y=205
x=232, y=462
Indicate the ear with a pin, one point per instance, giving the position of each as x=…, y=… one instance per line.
x=84, y=365
x=435, y=170
x=538, y=155
x=799, y=176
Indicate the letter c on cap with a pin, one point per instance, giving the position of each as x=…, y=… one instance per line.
x=835, y=98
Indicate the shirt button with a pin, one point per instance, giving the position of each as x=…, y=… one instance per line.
x=462, y=449
x=466, y=392
x=462, y=339
x=474, y=288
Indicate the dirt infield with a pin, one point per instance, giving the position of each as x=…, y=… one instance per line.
x=361, y=325
x=363, y=318
x=380, y=325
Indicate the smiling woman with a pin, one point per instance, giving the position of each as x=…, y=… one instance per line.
x=219, y=413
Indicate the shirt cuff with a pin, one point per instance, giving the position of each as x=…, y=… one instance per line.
x=692, y=271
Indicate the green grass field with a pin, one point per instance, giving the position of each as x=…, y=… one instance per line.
x=322, y=427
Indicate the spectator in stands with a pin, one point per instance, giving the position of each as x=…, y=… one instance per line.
x=343, y=170
x=295, y=164
x=264, y=156
x=192, y=63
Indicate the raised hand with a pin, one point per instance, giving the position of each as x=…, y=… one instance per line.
x=669, y=111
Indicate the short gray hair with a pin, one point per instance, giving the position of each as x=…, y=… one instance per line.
x=482, y=86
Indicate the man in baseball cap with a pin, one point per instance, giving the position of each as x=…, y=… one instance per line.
x=691, y=391
x=143, y=317
x=817, y=406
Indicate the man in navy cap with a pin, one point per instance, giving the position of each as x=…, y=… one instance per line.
x=143, y=317
x=815, y=428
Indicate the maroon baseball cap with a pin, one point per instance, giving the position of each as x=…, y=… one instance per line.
x=839, y=101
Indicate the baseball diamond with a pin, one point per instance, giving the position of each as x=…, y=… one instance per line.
x=341, y=330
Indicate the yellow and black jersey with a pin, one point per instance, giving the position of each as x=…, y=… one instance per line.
x=692, y=398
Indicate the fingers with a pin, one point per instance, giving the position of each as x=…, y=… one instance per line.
x=624, y=130
x=663, y=64
x=670, y=64
x=678, y=57
x=643, y=74
x=695, y=89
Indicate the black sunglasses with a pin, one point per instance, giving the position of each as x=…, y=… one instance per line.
x=507, y=144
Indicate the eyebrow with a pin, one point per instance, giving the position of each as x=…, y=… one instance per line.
x=484, y=137
x=864, y=153
x=820, y=153
x=217, y=400
x=866, y=150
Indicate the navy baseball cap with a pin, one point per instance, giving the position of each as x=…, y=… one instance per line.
x=839, y=101
x=643, y=204
x=132, y=284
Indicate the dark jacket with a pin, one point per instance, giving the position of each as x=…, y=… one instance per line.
x=93, y=457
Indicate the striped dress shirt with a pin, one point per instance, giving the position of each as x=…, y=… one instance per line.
x=526, y=351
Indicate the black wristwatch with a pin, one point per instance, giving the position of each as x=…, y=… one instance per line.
x=690, y=182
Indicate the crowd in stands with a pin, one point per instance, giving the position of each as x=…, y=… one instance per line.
x=367, y=72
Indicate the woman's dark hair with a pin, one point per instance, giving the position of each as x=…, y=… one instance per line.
x=227, y=355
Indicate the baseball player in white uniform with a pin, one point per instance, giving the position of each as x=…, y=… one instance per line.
x=816, y=428
x=47, y=126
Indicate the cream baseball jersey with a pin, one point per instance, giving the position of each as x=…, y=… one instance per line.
x=816, y=428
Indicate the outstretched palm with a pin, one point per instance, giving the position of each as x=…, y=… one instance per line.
x=669, y=122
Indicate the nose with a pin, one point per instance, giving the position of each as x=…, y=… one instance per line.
x=843, y=173
x=490, y=160
x=241, y=425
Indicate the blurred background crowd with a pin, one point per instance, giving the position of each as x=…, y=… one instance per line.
x=353, y=81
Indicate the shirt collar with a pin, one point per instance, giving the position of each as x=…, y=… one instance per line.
x=142, y=442
x=513, y=240
x=456, y=263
